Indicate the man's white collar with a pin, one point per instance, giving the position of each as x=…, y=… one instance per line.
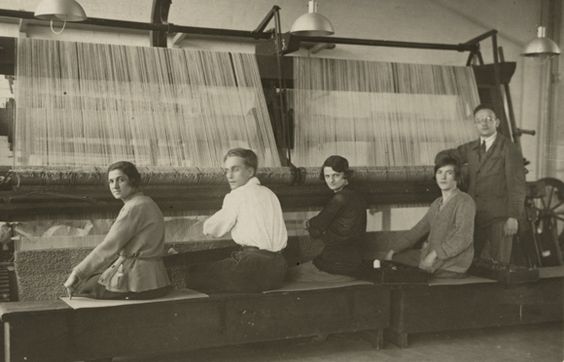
x=252, y=181
x=488, y=139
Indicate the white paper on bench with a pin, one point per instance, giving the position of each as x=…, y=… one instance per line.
x=296, y=286
x=460, y=281
x=551, y=272
x=82, y=302
x=307, y=277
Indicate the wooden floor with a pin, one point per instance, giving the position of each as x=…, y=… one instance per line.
x=542, y=342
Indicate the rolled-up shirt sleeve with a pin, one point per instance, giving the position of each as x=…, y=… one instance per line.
x=222, y=221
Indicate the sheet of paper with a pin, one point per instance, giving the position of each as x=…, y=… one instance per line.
x=314, y=285
x=453, y=281
x=82, y=302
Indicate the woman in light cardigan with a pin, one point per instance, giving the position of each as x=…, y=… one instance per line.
x=128, y=263
x=448, y=250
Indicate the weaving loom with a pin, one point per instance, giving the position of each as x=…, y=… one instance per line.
x=175, y=112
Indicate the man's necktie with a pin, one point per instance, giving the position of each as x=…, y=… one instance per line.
x=482, y=150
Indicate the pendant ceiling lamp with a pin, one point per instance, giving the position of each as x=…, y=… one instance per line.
x=60, y=10
x=63, y=10
x=312, y=23
x=541, y=45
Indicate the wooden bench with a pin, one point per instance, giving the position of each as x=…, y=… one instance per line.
x=53, y=331
x=474, y=303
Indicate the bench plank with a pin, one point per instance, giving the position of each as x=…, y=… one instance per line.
x=61, y=333
x=444, y=306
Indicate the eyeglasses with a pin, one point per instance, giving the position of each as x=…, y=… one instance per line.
x=484, y=120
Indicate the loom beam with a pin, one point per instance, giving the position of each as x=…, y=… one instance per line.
x=155, y=177
x=34, y=191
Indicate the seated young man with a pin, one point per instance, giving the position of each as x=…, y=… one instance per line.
x=252, y=213
x=449, y=223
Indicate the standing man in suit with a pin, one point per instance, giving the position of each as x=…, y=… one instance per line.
x=496, y=181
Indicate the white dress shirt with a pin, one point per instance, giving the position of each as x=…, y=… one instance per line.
x=253, y=214
x=489, y=140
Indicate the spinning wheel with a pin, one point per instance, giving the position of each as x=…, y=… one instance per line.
x=546, y=213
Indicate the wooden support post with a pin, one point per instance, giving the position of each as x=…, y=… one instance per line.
x=7, y=356
x=397, y=338
x=374, y=337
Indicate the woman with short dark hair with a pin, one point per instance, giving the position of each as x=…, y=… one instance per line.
x=128, y=263
x=449, y=225
x=341, y=225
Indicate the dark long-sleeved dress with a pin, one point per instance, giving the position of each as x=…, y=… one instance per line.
x=341, y=225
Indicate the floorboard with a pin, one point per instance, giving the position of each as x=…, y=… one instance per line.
x=542, y=342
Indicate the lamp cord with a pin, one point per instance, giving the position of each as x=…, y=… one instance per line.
x=53, y=29
x=541, y=13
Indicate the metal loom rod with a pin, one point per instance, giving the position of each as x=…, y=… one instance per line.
x=385, y=43
x=471, y=45
x=170, y=28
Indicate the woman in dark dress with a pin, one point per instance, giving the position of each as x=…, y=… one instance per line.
x=341, y=225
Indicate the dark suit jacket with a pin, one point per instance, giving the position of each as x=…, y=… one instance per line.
x=496, y=182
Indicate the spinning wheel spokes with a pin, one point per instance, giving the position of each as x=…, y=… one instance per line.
x=549, y=223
